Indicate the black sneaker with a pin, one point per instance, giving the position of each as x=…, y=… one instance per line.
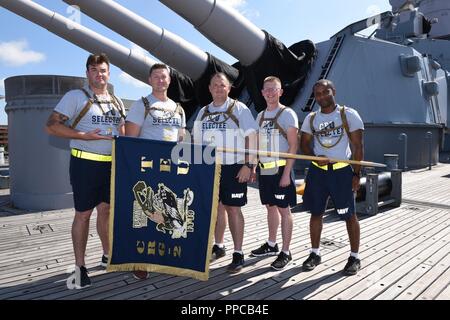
x=312, y=261
x=81, y=278
x=352, y=267
x=237, y=264
x=265, y=250
x=281, y=261
x=104, y=261
x=218, y=252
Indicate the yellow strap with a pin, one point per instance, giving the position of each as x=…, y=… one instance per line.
x=273, y=164
x=90, y=156
x=337, y=165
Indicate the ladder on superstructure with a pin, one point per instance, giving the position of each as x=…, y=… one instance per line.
x=325, y=70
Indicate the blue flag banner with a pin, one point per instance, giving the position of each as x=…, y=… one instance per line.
x=163, y=210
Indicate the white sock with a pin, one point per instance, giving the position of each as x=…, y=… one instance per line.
x=316, y=251
x=354, y=254
x=106, y=255
x=287, y=252
x=272, y=244
x=240, y=252
x=220, y=245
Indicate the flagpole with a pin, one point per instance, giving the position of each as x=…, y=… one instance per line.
x=299, y=156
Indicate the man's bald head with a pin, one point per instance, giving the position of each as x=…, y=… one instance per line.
x=325, y=83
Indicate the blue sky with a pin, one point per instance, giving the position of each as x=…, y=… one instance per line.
x=26, y=48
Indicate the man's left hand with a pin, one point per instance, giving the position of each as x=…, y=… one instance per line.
x=285, y=181
x=244, y=174
x=355, y=183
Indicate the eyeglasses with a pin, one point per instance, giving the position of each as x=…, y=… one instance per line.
x=270, y=90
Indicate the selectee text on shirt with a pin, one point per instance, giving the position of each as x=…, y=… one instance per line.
x=105, y=120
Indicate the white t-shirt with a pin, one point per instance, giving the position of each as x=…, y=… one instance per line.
x=269, y=137
x=159, y=124
x=333, y=120
x=105, y=117
x=222, y=131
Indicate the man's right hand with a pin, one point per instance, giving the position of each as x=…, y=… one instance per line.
x=94, y=135
x=322, y=162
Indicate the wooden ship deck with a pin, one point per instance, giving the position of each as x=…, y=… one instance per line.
x=405, y=255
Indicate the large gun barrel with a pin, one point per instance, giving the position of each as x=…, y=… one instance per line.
x=224, y=26
x=132, y=62
x=162, y=44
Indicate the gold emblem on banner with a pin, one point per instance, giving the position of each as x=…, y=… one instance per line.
x=183, y=167
x=146, y=164
x=170, y=213
x=164, y=165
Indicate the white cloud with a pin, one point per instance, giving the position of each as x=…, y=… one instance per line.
x=241, y=6
x=138, y=49
x=235, y=3
x=16, y=54
x=127, y=79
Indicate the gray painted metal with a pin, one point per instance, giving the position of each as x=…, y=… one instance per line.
x=132, y=62
x=161, y=43
x=440, y=11
x=224, y=26
x=38, y=163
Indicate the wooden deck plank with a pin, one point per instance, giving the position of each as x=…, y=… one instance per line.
x=413, y=291
x=291, y=273
x=387, y=265
x=378, y=245
x=409, y=263
x=197, y=288
x=437, y=287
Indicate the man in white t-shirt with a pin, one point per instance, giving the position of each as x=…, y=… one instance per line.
x=156, y=117
x=94, y=117
x=228, y=123
x=278, y=132
x=329, y=133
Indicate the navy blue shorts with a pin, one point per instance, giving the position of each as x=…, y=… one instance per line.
x=336, y=184
x=231, y=192
x=272, y=194
x=90, y=182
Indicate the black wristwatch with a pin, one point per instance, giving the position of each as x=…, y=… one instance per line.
x=357, y=174
x=249, y=165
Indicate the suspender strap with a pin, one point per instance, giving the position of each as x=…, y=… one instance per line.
x=311, y=120
x=325, y=131
x=178, y=109
x=90, y=102
x=344, y=120
x=229, y=113
x=85, y=109
x=275, y=120
x=118, y=106
x=146, y=107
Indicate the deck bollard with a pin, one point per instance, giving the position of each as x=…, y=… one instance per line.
x=391, y=161
x=429, y=137
x=2, y=156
